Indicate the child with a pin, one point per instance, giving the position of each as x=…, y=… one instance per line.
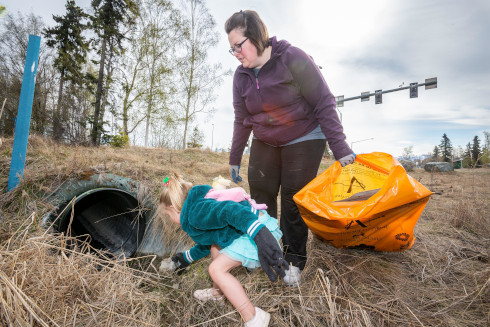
x=234, y=234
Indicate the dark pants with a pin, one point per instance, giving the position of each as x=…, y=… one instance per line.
x=289, y=168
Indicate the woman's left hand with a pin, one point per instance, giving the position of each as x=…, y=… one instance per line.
x=347, y=160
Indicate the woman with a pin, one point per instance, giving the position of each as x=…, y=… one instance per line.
x=280, y=95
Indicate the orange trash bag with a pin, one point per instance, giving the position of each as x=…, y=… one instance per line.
x=371, y=203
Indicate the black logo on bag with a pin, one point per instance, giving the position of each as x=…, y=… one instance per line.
x=404, y=246
x=402, y=237
x=357, y=221
x=352, y=183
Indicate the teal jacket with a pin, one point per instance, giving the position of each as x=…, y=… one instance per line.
x=209, y=222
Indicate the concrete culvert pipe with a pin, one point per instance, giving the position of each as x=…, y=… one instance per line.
x=103, y=208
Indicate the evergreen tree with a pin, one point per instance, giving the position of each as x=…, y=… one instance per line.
x=66, y=37
x=196, y=139
x=475, y=151
x=446, y=148
x=467, y=159
x=110, y=16
x=435, y=153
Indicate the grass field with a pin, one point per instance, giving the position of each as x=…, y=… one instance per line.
x=441, y=281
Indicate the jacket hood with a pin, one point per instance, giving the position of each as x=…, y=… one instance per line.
x=278, y=48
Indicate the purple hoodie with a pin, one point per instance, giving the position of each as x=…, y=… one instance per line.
x=288, y=99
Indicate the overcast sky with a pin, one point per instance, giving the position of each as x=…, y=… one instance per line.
x=366, y=46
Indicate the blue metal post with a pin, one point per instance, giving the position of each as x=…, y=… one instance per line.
x=23, y=122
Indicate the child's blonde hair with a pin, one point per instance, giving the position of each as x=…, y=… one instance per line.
x=175, y=192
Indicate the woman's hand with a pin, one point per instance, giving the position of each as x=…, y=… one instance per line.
x=347, y=160
x=234, y=172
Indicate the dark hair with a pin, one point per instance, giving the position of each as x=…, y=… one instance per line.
x=252, y=26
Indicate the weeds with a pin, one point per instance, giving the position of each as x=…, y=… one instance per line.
x=441, y=281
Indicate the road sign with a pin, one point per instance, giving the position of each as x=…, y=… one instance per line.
x=431, y=83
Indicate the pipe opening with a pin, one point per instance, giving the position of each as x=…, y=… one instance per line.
x=109, y=216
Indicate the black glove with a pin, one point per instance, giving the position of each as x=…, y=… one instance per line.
x=180, y=263
x=270, y=254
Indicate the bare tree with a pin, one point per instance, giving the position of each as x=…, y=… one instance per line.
x=407, y=152
x=146, y=70
x=14, y=36
x=197, y=80
x=162, y=31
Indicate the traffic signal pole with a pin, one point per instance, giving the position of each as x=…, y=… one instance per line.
x=430, y=83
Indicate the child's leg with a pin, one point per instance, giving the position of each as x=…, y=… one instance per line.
x=219, y=270
x=214, y=254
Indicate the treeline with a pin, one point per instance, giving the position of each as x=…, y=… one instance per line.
x=117, y=71
x=475, y=153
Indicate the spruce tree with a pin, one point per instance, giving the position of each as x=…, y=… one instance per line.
x=435, y=153
x=196, y=139
x=467, y=159
x=476, y=151
x=67, y=39
x=446, y=148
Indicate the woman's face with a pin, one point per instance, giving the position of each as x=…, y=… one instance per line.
x=247, y=53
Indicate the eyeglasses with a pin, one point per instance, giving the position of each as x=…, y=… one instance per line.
x=237, y=48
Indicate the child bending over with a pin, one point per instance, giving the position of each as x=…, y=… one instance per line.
x=235, y=233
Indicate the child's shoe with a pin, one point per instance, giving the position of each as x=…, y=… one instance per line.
x=261, y=319
x=207, y=295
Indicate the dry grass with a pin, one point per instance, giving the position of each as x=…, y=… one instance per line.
x=441, y=281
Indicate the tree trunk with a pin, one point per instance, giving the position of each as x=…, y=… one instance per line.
x=188, y=105
x=57, y=128
x=150, y=102
x=98, y=95
x=125, y=114
x=148, y=115
x=105, y=94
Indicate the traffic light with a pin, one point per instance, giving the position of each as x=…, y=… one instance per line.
x=414, y=90
x=365, y=96
x=378, y=97
x=339, y=100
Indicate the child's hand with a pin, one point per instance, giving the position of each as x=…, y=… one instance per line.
x=270, y=254
x=180, y=262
